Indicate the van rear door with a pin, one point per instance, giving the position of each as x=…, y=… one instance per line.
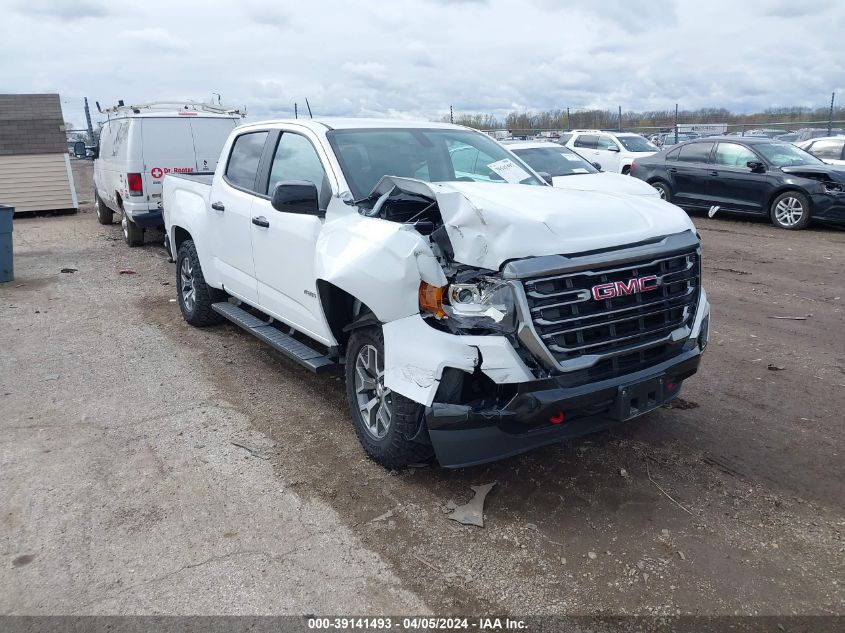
x=167, y=146
x=210, y=134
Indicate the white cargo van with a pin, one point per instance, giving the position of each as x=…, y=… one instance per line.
x=140, y=144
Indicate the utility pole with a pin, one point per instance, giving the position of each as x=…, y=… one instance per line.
x=830, y=115
x=676, y=124
x=568, y=121
x=90, y=126
x=620, y=118
x=451, y=115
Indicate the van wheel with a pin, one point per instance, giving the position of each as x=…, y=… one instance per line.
x=104, y=214
x=384, y=421
x=790, y=210
x=132, y=233
x=663, y=190
x=195, y=296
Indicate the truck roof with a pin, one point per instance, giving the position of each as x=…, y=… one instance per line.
x=352, y=123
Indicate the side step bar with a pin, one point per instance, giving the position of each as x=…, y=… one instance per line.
x=275, y=338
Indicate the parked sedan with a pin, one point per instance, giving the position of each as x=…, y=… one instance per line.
x=831, y=149
x=569, y=170
x=753, y=175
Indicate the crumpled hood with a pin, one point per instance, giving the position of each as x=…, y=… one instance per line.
x=491, y=223
x=606, y=182
x=834, y=172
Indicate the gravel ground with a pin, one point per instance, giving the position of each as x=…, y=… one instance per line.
x=124, y=494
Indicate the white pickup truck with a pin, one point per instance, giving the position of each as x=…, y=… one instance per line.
x=476, y=311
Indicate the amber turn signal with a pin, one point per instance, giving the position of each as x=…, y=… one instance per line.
x=431, y=299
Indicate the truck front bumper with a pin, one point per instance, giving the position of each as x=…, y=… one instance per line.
x=544, y=411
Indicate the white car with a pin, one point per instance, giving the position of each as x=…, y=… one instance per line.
x=475, y=311
x=568, y=170
x=140, y=145
x=831, y=149
x=614, y=151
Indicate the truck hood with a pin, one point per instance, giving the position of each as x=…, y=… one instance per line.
x=492, y=223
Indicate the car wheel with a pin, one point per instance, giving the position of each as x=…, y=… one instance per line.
x=790, y=210
x=104, y=214
x=195, y=296
x=663, y=190
x=133, y=234
x=384, y=421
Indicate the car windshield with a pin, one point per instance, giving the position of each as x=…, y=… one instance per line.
x=636, y=144
x=429, y=154
x=555, y=160
x=786, y=155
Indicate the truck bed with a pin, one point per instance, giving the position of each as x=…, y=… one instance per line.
x=204, y=177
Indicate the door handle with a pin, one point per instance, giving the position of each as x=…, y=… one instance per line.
x=261, y=221
x=673, y=170
x=218, y=206
x=714, y=173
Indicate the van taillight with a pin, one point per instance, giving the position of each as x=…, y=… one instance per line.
x=136, y=185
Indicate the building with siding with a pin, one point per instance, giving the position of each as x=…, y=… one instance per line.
x=35, y=173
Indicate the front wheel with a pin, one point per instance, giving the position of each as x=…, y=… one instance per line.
x=384, y=421
x=790, y=210
x=195, y=296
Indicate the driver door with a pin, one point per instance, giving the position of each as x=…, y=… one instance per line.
x=608, y=154
x=284, y=245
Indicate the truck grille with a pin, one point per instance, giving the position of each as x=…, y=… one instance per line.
x=605, y=337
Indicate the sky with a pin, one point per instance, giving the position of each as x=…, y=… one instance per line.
x=415, y=58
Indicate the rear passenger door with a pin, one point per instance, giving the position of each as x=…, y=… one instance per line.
x=284, y=244
x=733, y=184
x=232, y=197
x=690, y=174
x=587, y=146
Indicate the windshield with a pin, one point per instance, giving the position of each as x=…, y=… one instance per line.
x=786, y=155
x=636, y=144
x=555, y=160
x=432, y=155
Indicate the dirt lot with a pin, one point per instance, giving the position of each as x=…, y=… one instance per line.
x=124, y=494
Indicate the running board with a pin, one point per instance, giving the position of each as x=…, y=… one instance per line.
x=275, y=338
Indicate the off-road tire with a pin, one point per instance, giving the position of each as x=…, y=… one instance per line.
x=784, y=197
x=133, y=234
x=395, y=449
x=104, y=214
x=200, y=313
x=662, y=185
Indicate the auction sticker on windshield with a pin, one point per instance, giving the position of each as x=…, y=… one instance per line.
x=509, y=170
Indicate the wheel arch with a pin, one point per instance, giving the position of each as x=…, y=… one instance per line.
x=178, y=237
x=785, y=189
x=343, y=311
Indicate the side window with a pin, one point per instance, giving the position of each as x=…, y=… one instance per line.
x=605, y=142
x=296, y=159
x=564, y=139
x=244, y=159
x=695, y=152
x=673, y=155
x=827, y=149
x=589, y=141
x=733, y=155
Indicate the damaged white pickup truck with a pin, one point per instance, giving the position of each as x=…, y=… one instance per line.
x=477, y=312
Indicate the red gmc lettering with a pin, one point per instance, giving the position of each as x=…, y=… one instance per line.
x=620, y=288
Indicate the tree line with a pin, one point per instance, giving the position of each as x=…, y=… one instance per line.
x=607, y=119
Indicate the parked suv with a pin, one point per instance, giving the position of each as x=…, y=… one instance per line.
x=614, y=151
x=831, y=149
x=140, y=145
x=475, y=311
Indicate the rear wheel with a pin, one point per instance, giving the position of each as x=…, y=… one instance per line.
x=384, y=421
x=790, y=210
x=104, y=214
x=663, y=189
x=132, y=233
x=195, y=296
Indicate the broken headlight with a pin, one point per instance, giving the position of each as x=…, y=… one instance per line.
x=487, y=304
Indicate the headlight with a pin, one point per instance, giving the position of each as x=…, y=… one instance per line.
x=487, y=304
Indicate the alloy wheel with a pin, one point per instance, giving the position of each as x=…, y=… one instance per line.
x=187, y=287
x=789, y=211
x=375, y=401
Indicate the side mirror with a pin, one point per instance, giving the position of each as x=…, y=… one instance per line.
x=545, y=176
x=612, y=148
x=755, y=166
x=597, y=166
x=296, y=196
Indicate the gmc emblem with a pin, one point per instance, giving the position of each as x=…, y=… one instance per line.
x=619, y=288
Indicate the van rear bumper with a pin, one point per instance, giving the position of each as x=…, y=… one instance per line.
x=148, y=220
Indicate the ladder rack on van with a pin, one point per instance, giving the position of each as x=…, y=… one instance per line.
x=190, y=106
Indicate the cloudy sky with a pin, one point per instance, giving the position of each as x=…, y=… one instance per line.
x=414, y=58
